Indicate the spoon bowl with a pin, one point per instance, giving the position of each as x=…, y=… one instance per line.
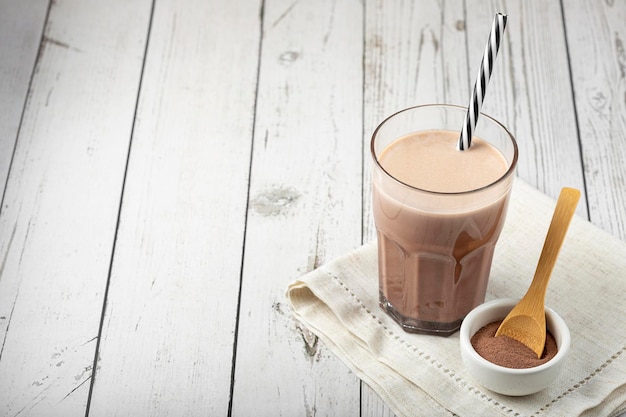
x=526, y=323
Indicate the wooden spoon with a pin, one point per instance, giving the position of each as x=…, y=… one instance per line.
x=527, y=321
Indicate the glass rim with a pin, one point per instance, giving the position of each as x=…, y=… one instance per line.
x=502, y=178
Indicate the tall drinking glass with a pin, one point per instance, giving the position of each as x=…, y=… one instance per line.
x=436, y=231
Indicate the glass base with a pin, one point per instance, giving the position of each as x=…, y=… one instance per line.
x=411, y=325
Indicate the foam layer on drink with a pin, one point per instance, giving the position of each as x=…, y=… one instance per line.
x=430, y=161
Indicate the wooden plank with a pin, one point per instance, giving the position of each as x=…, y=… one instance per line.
x=530, y=90
x=21, y=25
x=167, y=340
x=305, y=204
x=61, y=203
x=414, y=54
x=596, y=36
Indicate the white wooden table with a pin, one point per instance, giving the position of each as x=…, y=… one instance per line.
x=167, y=167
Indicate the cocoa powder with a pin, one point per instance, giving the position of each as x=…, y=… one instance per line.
x=504, y=351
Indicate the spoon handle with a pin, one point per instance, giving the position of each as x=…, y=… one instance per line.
x=561, y=219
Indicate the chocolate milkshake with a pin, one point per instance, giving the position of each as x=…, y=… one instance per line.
x=438, y=214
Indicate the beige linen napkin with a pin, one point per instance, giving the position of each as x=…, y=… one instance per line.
x=421, y=375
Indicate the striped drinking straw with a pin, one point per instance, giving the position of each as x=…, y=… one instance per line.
x=480, y=86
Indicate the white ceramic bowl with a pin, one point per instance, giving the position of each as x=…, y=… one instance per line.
x=509, y=381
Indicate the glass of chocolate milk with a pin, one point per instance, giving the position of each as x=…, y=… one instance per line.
x=438, y=213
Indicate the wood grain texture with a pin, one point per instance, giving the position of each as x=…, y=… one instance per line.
x=372, y=405
x=21, y=25
x=61, y=204
x=171, y=311
x=249, y=165
x=414, y=54
x=305, y=204
x=596, y=35
x=530, y=90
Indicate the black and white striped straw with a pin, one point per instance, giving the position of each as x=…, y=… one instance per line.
x=480, y=86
